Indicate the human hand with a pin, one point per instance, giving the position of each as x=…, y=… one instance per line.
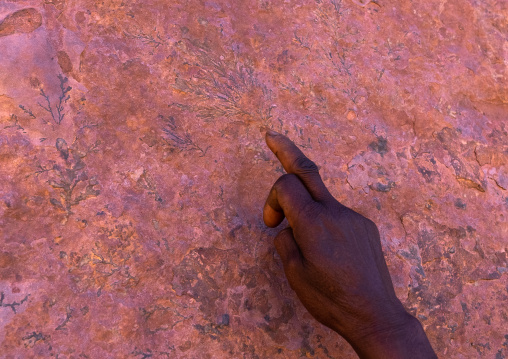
x=333, y=260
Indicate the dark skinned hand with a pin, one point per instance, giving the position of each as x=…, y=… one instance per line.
x=333, y=260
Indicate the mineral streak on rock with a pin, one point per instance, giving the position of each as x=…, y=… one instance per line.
x=133, y=171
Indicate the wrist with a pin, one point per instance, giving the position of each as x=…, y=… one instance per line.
x=403, y=337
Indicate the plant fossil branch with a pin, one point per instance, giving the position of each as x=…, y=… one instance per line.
x=56, y=111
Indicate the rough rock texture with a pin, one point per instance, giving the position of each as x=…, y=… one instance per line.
x=133, y=170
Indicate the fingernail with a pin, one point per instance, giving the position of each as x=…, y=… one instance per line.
x=272, y=132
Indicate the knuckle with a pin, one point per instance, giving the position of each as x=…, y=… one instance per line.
x=355, y=217
x=284, y=180
x=303, y=165
x=312, y=210
x=371, y=226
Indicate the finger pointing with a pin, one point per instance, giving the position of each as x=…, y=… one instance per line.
x=295, y=162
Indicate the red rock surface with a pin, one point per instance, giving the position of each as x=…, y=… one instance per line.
x=133, y=170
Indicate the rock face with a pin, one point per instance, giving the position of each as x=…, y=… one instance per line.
x=133, y=170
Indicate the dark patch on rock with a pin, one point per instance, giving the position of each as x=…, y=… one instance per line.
x=427, y=174
x=223, y=320
x=460, y=204
x=381, y=187
x=380, y=146
x=209, y=329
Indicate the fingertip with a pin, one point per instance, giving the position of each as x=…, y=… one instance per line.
x=285, y=150
x=271, y=217
x=273, y=138
x=271, y=132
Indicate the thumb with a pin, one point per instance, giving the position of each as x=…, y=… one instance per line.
x=289, y=253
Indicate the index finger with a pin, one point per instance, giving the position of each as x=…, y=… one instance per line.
x=294, y=161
